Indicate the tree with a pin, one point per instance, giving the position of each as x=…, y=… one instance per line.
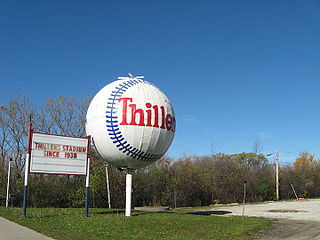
x=64, y=116
x=14, y=120
x=305, y=162
x=304, y=167
x=249, y=160
x=257, y=145
x=199, y=180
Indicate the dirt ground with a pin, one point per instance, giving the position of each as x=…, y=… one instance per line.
x=297, y=220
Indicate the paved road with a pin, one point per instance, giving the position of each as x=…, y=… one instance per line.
x=308, y=210
x=292, y=229
x=13, y=231
x=298, y=220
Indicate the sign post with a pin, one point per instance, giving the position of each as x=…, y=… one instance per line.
x=87, y=193
x=26, y=171
x=87, y=178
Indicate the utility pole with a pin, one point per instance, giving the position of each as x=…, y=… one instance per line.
x=277, y=176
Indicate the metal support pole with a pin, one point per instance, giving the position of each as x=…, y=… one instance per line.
x=26, y=174
x=108, y=187
x=8, y=182
x=87, y=188
x=244, y=202
x=277, y=176
x=128, y=193
x=175, y=198
x=26, y=170
x=88, y=175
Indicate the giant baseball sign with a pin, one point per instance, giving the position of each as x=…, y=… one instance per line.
x=132, y=123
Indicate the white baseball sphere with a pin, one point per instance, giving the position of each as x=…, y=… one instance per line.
x=132, y=123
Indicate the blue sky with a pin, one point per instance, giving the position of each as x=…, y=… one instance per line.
x=235, y=71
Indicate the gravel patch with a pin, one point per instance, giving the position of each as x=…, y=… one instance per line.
x=297, y=220
x=306, y=210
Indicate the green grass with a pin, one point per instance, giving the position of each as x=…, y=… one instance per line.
x=68, y=223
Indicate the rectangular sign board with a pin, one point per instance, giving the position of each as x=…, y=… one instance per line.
x=52, y=154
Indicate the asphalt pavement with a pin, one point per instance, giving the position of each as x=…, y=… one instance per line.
x=291, y=229
x=307, y=209
x=297, y=220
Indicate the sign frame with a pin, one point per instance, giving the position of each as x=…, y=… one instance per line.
x=52, y=136
x=28, y=163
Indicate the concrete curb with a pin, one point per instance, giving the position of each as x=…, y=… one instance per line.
x=13, y=231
